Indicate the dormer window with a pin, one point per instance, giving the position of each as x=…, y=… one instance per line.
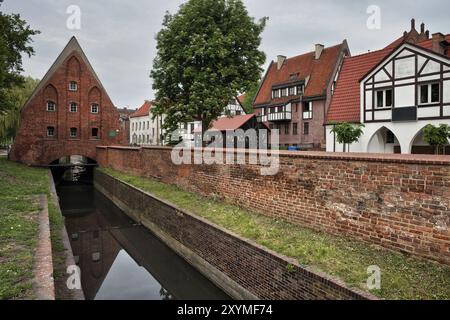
x=284, y=92
x=94, y=108
x=275, y=94
x=292, y=91
x=51, y=106
x=73, y=86
x=300, y=89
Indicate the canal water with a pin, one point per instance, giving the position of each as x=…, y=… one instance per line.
x=118, y=258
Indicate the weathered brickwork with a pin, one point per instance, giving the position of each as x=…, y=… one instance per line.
x=34, y=146
x=261, y=272
x=400, y=202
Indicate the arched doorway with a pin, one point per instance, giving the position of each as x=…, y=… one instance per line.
x=384, y=141
x=419, y=146
x=73, y=168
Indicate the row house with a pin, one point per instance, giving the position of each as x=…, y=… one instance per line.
x=295, y=95
x=144, y=129
x=395, y=92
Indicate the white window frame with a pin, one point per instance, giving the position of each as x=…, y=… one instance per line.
x=48, y=106
x=95, y=105
x=384, y=98
x=50, y=135
x=71, y=105
x=73, y=86
x=429, y=85
x=76, y=133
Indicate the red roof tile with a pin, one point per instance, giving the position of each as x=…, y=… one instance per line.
x=142, y=111
x=304, y=65
x=225, y=123
x=345, y=104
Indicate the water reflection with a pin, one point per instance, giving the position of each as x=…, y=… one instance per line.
x=121, y=260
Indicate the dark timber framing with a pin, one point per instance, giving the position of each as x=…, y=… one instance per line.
x=370, y=85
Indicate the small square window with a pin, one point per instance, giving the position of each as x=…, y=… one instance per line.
x=50, y=131
x=73, y=86
x=73, y=132
x=51, y=106
x=73, y=107
x=94, y=108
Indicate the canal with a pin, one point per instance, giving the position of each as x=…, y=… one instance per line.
x=118, y=258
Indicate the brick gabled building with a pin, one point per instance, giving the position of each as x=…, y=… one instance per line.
x=395, y=92
x=295, y=93
x=69, y=113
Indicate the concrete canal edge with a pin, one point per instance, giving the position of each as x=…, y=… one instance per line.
x=43, y=282
x=240, y=267
x=70, y=260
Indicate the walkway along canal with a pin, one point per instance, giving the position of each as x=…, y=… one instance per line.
x=118, y=258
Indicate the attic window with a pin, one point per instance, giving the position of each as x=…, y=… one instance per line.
x=293, y=76
x=73, y=86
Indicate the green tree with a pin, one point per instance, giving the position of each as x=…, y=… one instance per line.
x=9, y=121
x=15, y=36
x=437, y=136
x=250, y=96
x=347, y=133
x=206, y=53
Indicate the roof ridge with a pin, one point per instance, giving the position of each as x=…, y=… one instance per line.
x=311, y=52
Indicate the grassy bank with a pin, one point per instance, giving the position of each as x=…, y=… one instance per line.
x=19, y=186
x=402, y=277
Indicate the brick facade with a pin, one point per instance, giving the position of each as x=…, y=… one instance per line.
x=33, y=146
x=260, y=272
x=400, y=202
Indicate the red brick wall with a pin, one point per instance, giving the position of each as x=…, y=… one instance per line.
x=396, y=201
x=32, y=146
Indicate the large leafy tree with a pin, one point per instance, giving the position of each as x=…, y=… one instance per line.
x=207, y=53
x=250, y=95
x=18, y=95
x=15, y=38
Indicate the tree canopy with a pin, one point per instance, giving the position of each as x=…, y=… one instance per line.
x=15, y=37
x=207, y=53
x=437, y=136
x=347, y=133
x=249, y=97
x=18, y=95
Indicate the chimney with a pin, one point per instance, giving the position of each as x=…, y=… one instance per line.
x=422, y=28
x=413, y=24
x=280, y=61
x=437, y=40
x=318, y=51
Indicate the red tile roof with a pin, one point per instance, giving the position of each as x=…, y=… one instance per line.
x=225, y=123
x=142, y=111
x=345, y=104
x=304, y=65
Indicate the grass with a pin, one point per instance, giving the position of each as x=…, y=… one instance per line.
x=19, y=186
x=346, y=259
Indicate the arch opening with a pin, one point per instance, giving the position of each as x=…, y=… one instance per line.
x=73, y=169
x=419, y=146
x=384, y=141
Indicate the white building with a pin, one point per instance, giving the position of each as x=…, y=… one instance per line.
x=234, y=108
x=395, y=93
x=143, y=129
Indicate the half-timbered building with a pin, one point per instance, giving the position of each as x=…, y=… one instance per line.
x=395, y=93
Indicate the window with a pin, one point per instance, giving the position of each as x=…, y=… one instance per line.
x=307, y=110
x=292, y=91
x=286, y=129
x=140, y=124
x=148, y=138
x=73, y=86
x=306, y=128
x=295, y=128
x=50, y=131
x=284, y=92
x=94, y=108
x=73, y=107
x=383, y=98
x=94, y=132
x=390, y=138
x=132, y=126
x=73, y=132
x=51, y=106
x=148, y=125
x=275, y=94
x=300, y=89
x=430, y=93
x=153, y=131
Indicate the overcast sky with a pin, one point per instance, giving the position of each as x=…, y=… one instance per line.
x=118, y=35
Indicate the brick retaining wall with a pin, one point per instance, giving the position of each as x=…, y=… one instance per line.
x=242, y=268
x=401, y=202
